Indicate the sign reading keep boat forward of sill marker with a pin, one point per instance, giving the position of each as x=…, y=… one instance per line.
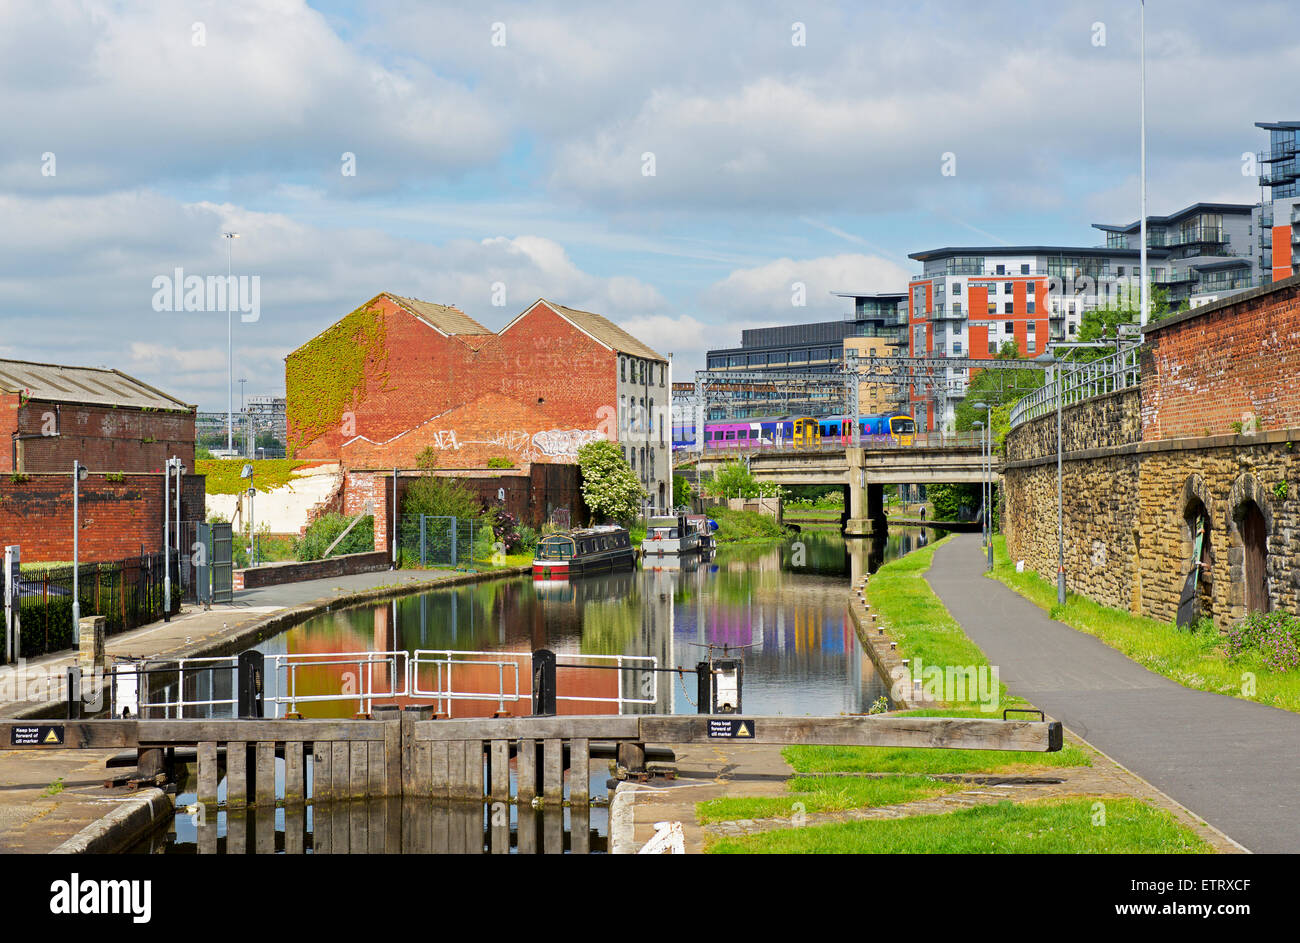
x=731, y=729
x=42, y=735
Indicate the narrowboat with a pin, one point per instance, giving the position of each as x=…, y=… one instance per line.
x=670, y=535
x=578, y=552
x=704, y=528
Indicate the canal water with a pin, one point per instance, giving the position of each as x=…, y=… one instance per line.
x=780, y=608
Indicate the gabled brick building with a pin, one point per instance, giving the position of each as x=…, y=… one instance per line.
x=400, y=378
x=121, y=429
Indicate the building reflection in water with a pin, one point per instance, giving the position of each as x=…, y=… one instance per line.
x=782, y=608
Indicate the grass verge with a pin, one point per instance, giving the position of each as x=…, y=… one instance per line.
x=1070, y=826
x=826, y=794
x=738, y=526
x=916, y=761
x=1193, y=659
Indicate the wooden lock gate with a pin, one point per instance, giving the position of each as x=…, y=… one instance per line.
x=407, y=753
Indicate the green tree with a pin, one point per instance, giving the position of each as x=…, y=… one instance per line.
x=441, y=497
x=1000, y=389
x=734, y=480
x=609, y=486
x=681, y=490
x=1103, y=324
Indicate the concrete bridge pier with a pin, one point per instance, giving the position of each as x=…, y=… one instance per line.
x=864, y=512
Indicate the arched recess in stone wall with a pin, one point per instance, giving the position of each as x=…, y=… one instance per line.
x=1249, y=519
x=1195, y=509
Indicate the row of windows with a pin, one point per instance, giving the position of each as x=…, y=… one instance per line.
x=633, y=416
x=642, y=371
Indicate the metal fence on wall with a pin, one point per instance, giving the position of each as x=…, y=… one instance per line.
x=424, y=540
x=127, y=593
x=1076, y=382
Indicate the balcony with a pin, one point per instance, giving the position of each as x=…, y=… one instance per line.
x=1284, y=173
x=1186, y=237
x=1277, y=152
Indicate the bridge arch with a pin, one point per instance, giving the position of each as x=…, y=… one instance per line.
x=1249, y=526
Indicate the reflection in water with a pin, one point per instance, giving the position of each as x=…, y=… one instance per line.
x=782, y=607
x=387, y=826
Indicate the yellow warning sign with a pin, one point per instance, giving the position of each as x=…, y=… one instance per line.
x=52, y=737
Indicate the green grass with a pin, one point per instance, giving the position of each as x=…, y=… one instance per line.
x=54, y=788
x=921, y=625
x=736, y=526
x=268, y=474
x=1048, y=827
x=826, y=794
x=1193, y=659
x=921, y=760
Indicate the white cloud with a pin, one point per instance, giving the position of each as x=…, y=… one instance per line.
x=769, y=292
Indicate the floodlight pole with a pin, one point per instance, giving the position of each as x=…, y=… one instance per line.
x=1142, y=120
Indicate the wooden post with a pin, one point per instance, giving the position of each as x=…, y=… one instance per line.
x=579, y=771
x=236, y=775
x=631, y=756
x=209, y=775
x=553, y=770
x=526, y=771
x=265, y=783
x=500, y=764
x=294, y=785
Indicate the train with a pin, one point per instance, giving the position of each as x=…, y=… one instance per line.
x=796, y=432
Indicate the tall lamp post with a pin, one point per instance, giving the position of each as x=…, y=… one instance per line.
x=988, y=497
x=230, y=349
x=79, y=472
x=252, y=532
x=978, y=425
x=1054, y=380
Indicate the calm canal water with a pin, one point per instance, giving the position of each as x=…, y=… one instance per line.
x=779, y=607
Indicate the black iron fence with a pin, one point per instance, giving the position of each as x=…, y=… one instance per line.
x=127, y=593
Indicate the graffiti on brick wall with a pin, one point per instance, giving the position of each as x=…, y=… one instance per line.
x=564, y=443
x=551, y=443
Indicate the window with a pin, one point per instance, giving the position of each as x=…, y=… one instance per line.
x=622, y=369
x=1031, y=326
x=1119, y=270
x=1007, y=308
x=633, y=459
x=1001, y=270
x=1008, y=288
x=1033, y=345
x=1071, y=327
x=956, y=307
x=956, y=288
x=1010, y=327
x=1031, y=307
x=622, y=413
x=993, y=307
x=663, y=373
x=956, y=347
x=1024, y=269
x=993, y=348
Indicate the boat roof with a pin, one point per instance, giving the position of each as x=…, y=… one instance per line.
x=602, y=529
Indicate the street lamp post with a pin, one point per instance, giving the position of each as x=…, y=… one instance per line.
x=986, y=472
x=79, y=472
x=230, y=349
x=978, y=425
x=252, y=532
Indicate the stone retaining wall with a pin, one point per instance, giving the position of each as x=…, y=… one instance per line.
x=291, y=571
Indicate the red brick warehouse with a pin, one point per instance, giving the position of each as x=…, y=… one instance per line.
x=121, y=429
x=398, y=378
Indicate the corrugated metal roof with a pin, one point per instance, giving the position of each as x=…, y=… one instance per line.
x=94, y=385
x=445, y=318
x=607, y=332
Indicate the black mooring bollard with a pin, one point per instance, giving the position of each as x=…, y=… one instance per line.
x=544, y=694
x=74, y=693
x=703, y=688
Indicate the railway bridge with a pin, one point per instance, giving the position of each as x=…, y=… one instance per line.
x=863, y=471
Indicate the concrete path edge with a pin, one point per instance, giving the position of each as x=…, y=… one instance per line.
x=122, y=827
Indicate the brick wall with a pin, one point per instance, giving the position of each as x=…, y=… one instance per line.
x=118, y=518
x=468, y=399
x=532, y=494
x=1210, y=367
x=50, y=436
x=1140, y=467
x=289, y=571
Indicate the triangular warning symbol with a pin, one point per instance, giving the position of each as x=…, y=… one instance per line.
x=742, y=729
x=51, y=737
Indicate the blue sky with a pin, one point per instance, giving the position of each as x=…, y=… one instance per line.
x=506, y=146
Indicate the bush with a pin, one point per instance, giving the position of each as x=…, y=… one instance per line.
x=441, y=497
x=1274, y=636
x=734, y=480
x=500, y=461
x=506, y=530
x=609, y=486
x=324, y=530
